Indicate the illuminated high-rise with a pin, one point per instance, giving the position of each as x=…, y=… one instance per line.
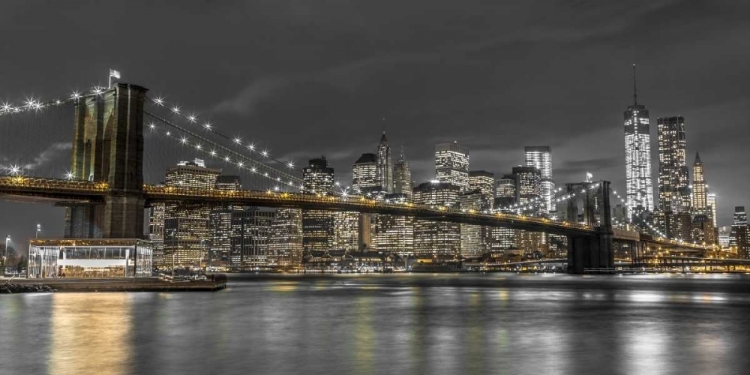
x=541, y=158
x=187, y=235
x=285, y=246
x=317, y=177
x=528, y=188
x=366, y=175
x=452, y=164
x=317, y=225
x=711, y=202
x=739, y=238
x=484, y=182
x=436, y=238
x=385, y=165
x=674, y=193
x=639, y=194
x=700, y=191
x=220, y=224
x=251, y=239
x=402, y=176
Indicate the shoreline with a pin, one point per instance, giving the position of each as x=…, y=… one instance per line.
x=110, y=285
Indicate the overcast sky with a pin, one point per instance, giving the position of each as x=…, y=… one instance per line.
x=308, y=78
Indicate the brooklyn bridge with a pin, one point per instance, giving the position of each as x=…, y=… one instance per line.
x=106, y=194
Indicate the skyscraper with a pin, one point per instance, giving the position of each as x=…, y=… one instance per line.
x=285, y=245
x=484, y=182
x=220, y=224
x=528, y=188
x=402, y=176
x=317, y=178
x=700, y=192
x=541, y=158
x=317, y=225
x=674, y=194
x=639, y=187
x=365, y=174
x=187, y=235
x=739, y=237
x=452, y=164
x=385, y=165
x=434, y=238
x=711, y=202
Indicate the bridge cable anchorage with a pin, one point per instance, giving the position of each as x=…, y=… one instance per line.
x=207, y=126
x=243, y=162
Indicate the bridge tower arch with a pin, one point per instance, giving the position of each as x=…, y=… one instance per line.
x=108, y=147
x=590, y=207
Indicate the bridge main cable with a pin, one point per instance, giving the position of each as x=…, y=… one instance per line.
x=293, y=180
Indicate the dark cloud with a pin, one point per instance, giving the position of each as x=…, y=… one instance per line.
x=304, y=78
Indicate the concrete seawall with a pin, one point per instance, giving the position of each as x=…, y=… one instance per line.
x=126, y=285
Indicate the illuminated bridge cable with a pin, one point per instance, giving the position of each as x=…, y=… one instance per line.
x=281, y=177
x=207, y=126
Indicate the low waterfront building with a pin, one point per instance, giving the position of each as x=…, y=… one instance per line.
x=89, y=258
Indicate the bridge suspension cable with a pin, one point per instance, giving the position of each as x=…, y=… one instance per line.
x=208, y=126
x=230, y=156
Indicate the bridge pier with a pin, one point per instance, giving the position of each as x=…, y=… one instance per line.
x=585, y=252
x=108, y=148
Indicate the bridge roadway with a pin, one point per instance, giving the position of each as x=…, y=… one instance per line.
x=59, y=190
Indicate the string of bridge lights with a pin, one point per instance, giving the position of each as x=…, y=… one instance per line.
x=35, y=105
x=657, y=231
x=208, y=126
x=232, y=157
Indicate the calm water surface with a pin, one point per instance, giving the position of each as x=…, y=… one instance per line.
x=390, y=324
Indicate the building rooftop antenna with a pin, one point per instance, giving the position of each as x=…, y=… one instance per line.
x=635, y=88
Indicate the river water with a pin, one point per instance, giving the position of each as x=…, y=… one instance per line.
x=390, y=324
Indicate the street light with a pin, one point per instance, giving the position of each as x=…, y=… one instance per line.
x=5, y=253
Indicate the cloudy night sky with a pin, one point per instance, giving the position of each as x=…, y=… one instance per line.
x=309, y=78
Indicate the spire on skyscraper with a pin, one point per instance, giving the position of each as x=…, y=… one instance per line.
x=698, y=159
x=635, y=88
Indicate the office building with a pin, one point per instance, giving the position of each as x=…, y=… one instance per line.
x=674, y=193
x=187, y=235
x=540, y=157
x=402, y=176
x=285, y=246
x=434, y=238
x=385, y=165
x=700, y=190
x=317, y=225
x=452, y=165
x=528, y=189
x=739, y=237
x=711, y=202
x=394, y=234
x=639, y=188
x=484, y=182
x=251, y=238
x=220, y=224
x=366, y=175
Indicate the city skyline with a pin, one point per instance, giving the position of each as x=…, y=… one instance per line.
x=502, y=111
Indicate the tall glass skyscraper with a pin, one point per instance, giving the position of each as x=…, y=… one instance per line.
x=452, y=164
x=541, y=158
x=674, y=194
x=385, y=165
x=639, y=187
x=402, y=176
x=700, y=192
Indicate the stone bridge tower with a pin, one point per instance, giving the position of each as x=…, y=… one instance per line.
x=108, y=147
x=591, y=206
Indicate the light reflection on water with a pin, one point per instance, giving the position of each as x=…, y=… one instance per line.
x=383, y=324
